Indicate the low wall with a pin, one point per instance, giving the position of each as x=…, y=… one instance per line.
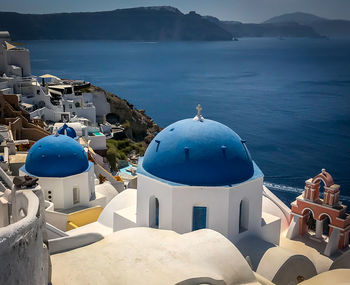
x=59, y=220
x=66, y=222
x=83, y=217
x=71, y=242
x=24, y=257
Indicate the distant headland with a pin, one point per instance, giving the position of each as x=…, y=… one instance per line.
x=163, y=23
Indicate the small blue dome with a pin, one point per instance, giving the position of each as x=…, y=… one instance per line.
x=56, y=156
x=66, y=130
x=199, y=153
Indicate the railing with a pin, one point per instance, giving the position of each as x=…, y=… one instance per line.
x=6, y=178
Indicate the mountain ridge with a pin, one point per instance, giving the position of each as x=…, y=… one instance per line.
x=163, y=23
x=143, y=23
x=323, y=26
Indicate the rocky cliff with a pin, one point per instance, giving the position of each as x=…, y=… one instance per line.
x=138, y=126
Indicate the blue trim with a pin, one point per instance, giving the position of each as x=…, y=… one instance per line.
x=140, y=170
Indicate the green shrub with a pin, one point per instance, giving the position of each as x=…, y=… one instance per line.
x=120, y=149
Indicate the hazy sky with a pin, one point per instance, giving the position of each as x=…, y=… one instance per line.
x=241, y=10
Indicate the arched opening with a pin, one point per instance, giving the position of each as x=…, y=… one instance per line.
x=326, y=221
x=76, y=195
x=199, y=218
x=311, y=222
x=322, y=184
x=154, y=212
x=243, y=215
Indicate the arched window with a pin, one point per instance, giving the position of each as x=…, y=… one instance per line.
x=154, y=212
x=326, y=221
x=76, y=195
x=243, y=215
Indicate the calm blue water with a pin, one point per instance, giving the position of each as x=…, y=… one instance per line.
x=290, y=99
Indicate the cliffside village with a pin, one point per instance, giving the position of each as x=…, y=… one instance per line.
x=192, y=210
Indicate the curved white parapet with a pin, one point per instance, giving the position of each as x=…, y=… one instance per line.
x=274, y=206
x=22, y=243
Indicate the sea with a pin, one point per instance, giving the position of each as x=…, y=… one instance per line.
x=288, y=98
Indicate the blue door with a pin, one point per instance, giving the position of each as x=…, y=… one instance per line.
x=199, y=220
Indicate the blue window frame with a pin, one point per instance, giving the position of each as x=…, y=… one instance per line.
x=199, y=219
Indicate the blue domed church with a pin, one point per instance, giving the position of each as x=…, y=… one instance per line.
x=198, y=173
x=64, y=171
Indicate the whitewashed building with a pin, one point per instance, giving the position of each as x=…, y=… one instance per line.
x=195, y=174
x=65, y=174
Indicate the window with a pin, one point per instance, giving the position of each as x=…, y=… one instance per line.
x=199, y=218
x=76, y=195
x=243, y=216
x=49, y=195
x=154, y=212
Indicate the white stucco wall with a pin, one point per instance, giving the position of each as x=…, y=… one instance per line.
x=101, y=104
x=214, y=198
x=21, y=58
x=62, y=188
x=223, y=208
x=251, y=194
x=97, y=142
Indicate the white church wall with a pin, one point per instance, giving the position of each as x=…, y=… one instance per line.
x=250, y=193
x=223, y=207
x=147, y=188
x=54, y=185
x=79, y=182
x=62, y=189
x=215, y=199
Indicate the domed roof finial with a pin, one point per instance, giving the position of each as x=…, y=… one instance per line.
x=199, y=117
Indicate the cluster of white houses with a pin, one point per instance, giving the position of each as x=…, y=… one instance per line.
x=195, y=174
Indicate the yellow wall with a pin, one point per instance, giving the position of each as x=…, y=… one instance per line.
x=83, y=217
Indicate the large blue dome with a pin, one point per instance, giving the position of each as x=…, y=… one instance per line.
x=56, y=156
x=198, y=153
